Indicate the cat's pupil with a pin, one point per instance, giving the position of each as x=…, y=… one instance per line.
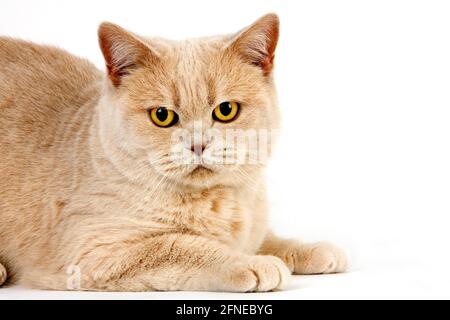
x=225, y=108
x=162, y=114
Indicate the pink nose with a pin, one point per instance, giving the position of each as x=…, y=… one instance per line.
x=198, y=149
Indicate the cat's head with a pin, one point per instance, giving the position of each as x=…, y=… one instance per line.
x=198, y=112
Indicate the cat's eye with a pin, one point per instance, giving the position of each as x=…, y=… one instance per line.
x=226, y=111
x=163, y=117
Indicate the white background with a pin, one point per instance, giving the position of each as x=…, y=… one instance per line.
x=364, y=158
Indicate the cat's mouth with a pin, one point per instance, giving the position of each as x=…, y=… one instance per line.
x=201, y=171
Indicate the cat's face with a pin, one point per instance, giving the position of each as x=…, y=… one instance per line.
x=199, y=112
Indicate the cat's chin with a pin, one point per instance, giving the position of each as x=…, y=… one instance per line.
x=201, y=172
x=200, y=177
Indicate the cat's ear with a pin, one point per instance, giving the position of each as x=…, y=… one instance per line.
x=257, y=43
x=123, y=51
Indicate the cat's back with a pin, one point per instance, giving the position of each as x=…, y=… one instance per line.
x=39, y=87
x=44, y=94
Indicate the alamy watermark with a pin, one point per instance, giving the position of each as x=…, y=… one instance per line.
x=213, y=146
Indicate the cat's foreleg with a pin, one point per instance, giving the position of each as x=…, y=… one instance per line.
x=176, y=262
x=315, y=258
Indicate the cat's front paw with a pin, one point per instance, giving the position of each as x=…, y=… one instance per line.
x=316, y=258
x=255, y=274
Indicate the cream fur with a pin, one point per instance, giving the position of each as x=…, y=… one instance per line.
x=85, y=179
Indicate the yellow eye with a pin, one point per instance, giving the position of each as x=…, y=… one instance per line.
x=163, y=117
x=226, y=111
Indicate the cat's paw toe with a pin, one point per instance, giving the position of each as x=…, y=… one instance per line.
x=320, y=258
x=3, y=274
x=258, y=274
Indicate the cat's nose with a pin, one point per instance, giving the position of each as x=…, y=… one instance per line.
x=198, y=149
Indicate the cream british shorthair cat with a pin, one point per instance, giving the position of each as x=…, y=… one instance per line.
x=94, y=186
